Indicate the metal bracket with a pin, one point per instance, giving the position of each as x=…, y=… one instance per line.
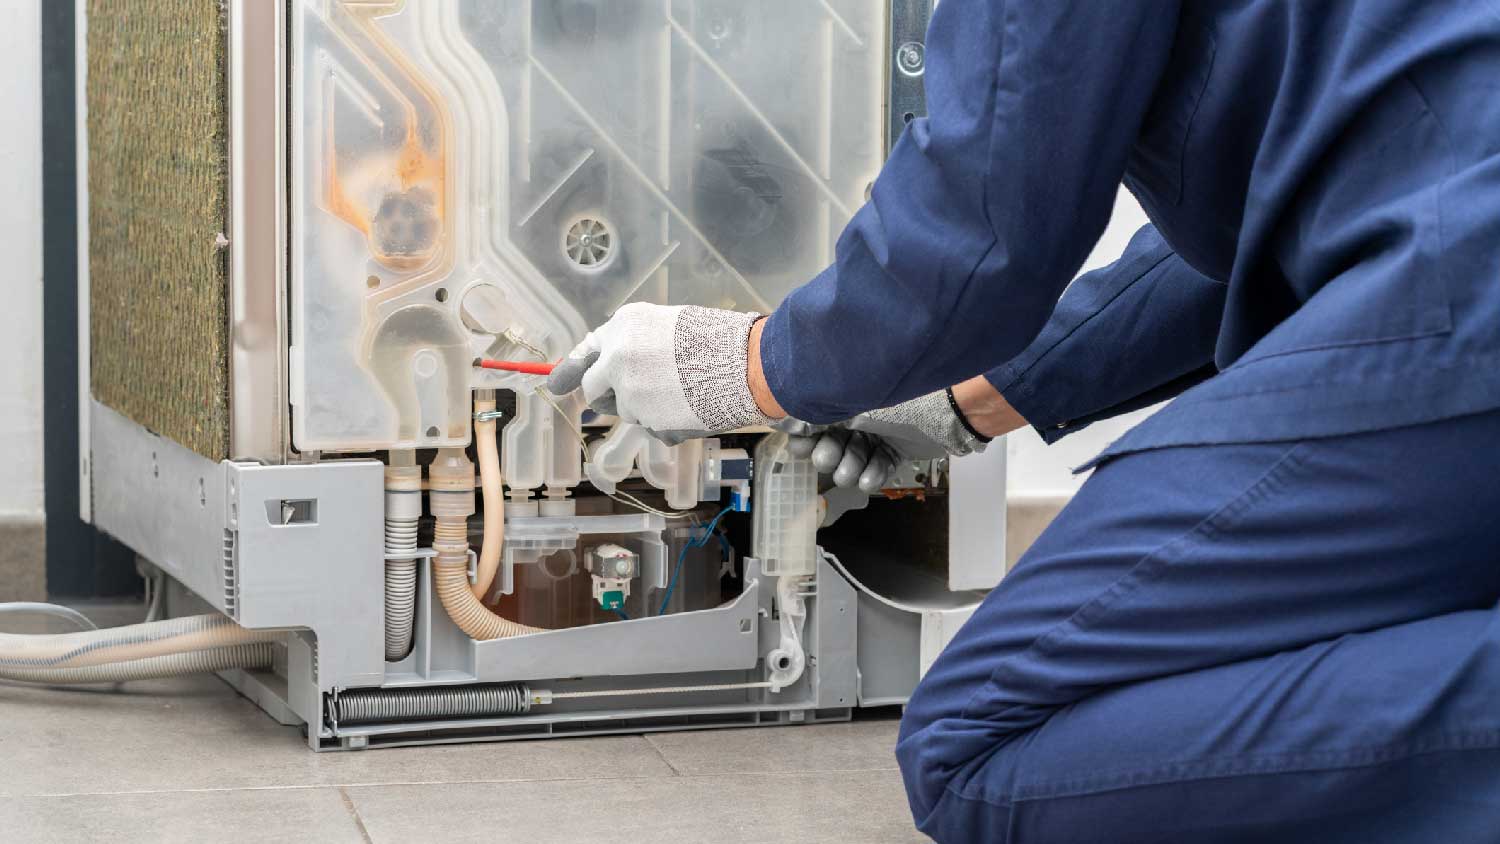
x=906, y=64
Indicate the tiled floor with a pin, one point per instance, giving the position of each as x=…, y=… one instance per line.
x=189, y=760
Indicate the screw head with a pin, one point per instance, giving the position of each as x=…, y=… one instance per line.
x=911, y=58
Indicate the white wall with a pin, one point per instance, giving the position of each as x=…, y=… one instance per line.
x=1037, y=470
x=21, y=244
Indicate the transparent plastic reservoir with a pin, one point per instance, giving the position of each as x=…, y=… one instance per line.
x=495, y=177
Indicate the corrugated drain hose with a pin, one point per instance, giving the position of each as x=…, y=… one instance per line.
x=156, y=649
x=450, y=490
x=403, y=509
x=171, y=665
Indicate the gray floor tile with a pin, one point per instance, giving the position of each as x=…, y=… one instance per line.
x=858, y=746
x=864, y=807
x=197, y=733
x=189, y=760
x=279, y=815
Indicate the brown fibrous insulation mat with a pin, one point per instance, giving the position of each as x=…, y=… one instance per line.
x=158, y=193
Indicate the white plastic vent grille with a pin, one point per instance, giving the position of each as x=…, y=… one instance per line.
x=589, y=243
x=231, y=574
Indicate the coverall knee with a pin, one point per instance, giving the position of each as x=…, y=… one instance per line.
x=1263, y=614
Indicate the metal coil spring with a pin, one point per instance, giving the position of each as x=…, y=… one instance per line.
x=432, y=703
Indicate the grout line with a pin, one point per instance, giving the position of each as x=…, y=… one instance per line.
x=661, y=755
x=354, y=813
x=422, y=783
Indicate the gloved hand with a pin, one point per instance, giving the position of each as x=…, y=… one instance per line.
x=679, y=372
x=868, y=449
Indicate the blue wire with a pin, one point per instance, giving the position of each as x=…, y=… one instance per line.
x=708, y=532
x=624, y=616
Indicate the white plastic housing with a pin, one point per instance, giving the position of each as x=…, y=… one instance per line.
x=569, y=157
x=676, y=470
x=784, y=510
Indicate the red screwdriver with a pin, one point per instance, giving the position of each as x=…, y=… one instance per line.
x=522, y=366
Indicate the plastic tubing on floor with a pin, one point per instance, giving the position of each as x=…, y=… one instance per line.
x=149, y=647
x=170, y=665
x=68, y=614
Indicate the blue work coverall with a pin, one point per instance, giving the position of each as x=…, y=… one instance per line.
x=1270, y=614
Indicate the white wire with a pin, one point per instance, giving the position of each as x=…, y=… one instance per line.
x=156, y=588
x=583, y=443
x=517, y=339
x=54, y=610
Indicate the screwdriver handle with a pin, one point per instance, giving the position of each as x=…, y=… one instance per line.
x=522, y=366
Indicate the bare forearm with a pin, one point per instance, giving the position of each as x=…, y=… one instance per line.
x=985, y=408
x=756, y=375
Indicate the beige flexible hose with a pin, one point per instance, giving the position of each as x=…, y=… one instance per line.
x=450, y=498
x=450, y=579
x=124, y=644
x=494, y=494
x=170, y=665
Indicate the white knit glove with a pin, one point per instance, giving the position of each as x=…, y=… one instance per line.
x=868, y=449
x=679, y=372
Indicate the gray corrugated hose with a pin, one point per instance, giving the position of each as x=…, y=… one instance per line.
x=403, y=508
x=171, y=665
x=156, y=649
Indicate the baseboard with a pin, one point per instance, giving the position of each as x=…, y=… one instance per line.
x=23, y=559
x=1025, y=519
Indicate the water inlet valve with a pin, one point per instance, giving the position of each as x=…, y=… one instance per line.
x=612, y=568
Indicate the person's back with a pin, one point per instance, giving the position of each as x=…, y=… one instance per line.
x=1338, y=164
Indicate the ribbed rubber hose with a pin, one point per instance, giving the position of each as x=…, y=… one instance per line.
x=170, y=665
x=450, y=580
x=400, y=588
x=124, y=644
x=400, y=607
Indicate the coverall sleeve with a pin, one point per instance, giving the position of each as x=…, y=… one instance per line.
x=1123, y=337
x=985, y=209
